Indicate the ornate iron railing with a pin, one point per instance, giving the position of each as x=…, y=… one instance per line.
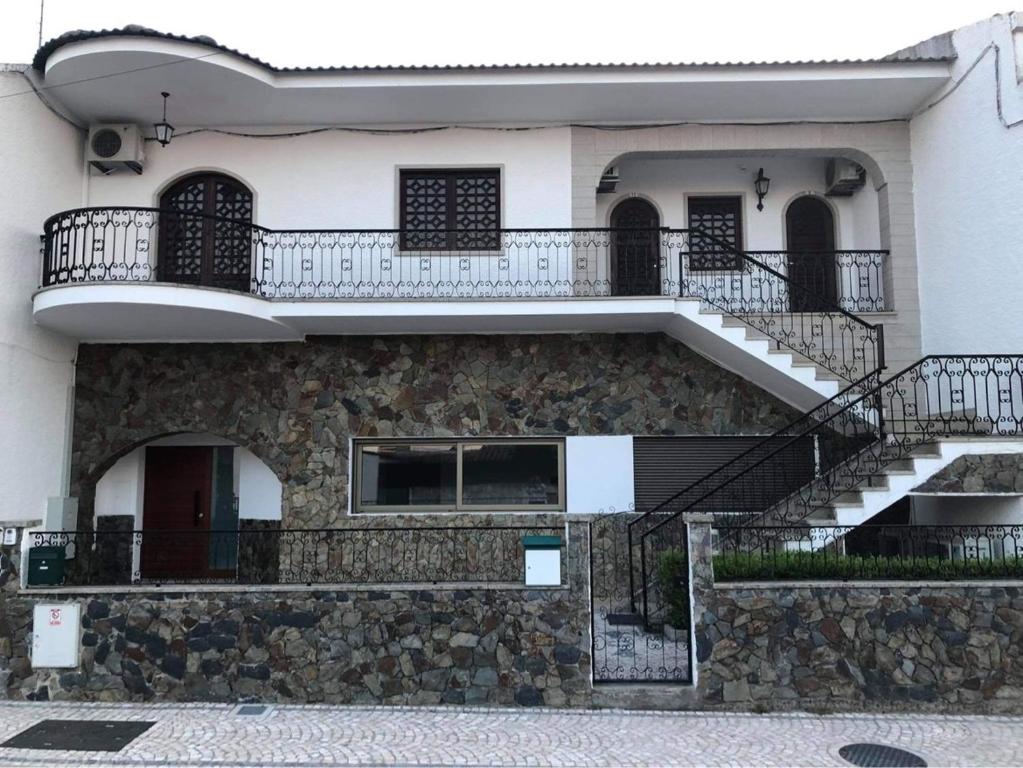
x=625, y=649
x=336, y=556
x=855, y=439
x=793, y=553
x=851, y=280
x=125, y=244
x=791, y=314
x=152, y=245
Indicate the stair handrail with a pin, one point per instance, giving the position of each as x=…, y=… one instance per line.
x=923, y=423
x=872, y=331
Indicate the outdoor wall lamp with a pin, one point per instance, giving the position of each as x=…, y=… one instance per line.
x=761, y=184
x=164, y=130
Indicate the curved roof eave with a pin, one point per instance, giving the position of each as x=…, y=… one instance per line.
x=132, y=30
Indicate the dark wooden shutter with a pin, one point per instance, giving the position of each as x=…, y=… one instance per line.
x=450, y=209
x=663, y=466
x=721, y=219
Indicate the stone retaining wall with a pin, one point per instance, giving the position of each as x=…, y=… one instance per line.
x=471, y=645
x=978, y=473
x=855, y=646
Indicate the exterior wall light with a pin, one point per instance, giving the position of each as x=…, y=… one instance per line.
x=761, y=183
x=164, y=130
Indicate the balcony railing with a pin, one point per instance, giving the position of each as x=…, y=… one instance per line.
x=336, y=556
x=136, y=245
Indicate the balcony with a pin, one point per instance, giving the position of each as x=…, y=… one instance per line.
x=122, y=274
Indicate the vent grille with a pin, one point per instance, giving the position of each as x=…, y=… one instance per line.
x=106, y=143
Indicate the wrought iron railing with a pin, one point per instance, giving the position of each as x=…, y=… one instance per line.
x=336, y=556
x=851, y=280
x=918, y=552
x=791, y=314
x=125, y=244
x=152, y=245
x=855, y=439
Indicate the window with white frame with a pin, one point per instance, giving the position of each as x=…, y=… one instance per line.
x=459, y=475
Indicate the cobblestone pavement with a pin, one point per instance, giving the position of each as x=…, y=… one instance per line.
x=200, y=735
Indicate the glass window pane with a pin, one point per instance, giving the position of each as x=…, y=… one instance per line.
x=407, y=475
x=497, y=474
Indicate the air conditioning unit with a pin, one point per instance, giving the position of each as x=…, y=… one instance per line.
x=843, y=177
x=608, y=181
x=115, y=146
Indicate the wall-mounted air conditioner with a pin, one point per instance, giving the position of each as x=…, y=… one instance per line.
x=115, y=146
x=843, y=177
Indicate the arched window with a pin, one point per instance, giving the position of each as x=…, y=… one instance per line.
x=810, y=236
x=210, y=243
x=635, y=252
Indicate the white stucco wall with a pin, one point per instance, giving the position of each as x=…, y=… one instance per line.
x=667, y=181
x=340, y=180
x=42, y=174
x=598, y=474
x=967, y=510
x=968, y=177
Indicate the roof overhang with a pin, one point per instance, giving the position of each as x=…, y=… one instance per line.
x=119, y=79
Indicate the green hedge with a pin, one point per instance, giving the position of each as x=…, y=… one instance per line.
x=785, y=566
x=673, y=576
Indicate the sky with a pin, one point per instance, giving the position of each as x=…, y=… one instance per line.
x=350, y=32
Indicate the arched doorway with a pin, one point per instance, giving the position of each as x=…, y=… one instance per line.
x=211, y=243
x=635, y=249
x=189, y=507
x=810, y=236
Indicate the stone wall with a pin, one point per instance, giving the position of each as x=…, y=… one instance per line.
x=295, y=405
x=452, y=645
x=981, y=473
x=950, y=647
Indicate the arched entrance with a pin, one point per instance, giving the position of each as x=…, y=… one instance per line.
x=211, y=243
x=189, y=507
x=810, y=237
x=635, y=249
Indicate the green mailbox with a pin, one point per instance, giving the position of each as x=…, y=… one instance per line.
x=46, y=566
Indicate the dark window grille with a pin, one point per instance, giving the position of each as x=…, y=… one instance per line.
x=717, y=232
x=451, y=210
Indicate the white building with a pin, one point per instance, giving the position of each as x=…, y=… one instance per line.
x=557, y=290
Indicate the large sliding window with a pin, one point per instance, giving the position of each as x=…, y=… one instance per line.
x=451, y=209
x=459, y=475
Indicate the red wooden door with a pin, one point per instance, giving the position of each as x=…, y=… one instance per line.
x=178, y=490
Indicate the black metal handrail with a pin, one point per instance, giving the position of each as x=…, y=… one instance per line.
x=791, y=437
x=121, y=244
x=261, y=555
x=918, y=552
x=794, y=316
x=938, y=396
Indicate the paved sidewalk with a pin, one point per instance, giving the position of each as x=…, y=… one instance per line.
x=200, y=735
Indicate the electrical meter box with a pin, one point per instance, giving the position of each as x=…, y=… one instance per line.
x=56, y=635
x=543, y=560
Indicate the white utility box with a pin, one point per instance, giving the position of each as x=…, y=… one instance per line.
x=56, y=635
x=543, y=560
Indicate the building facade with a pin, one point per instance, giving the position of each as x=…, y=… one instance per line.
x=400, y=332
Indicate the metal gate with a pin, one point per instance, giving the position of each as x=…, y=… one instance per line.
x=628, y=647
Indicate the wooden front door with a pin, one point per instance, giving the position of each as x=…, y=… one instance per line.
x=635, y=249
x=176, y=512
x=810, y=235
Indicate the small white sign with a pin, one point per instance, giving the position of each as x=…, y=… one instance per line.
x=56, y=635
x=10, y=537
